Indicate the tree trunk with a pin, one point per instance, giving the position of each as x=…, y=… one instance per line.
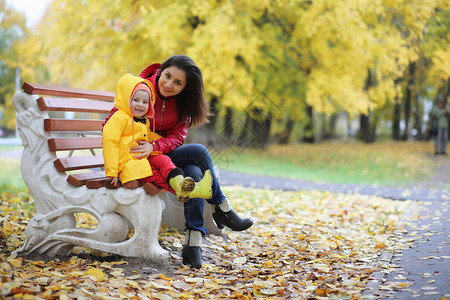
x=330, y=127
x=407, y=113
x=408, y=96
x=259, y=129
x=211, y=126
x=242, y=138
x=446, y=95
x=396, y=121
x=266, y=133
x=417, y=118
x=228, y=126
x=366, y=133
x=284, y=136
x=309, y=127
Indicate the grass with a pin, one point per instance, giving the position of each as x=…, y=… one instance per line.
x=385, y=164
x=11, y=176
x=13, y=188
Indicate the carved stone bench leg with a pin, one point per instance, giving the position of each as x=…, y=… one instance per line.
x=146, y=219
x=55, y=233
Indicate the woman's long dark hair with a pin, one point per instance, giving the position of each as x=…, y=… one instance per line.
x=191, y=102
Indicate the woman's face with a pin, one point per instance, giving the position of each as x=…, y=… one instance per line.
x=172, y=81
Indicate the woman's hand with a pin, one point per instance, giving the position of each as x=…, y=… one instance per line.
x=144, y=149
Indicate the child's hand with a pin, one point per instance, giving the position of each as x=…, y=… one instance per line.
x=112, y=183
x=114, y=180
x=144, y=149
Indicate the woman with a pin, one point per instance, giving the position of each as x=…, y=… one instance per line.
x=179, y=104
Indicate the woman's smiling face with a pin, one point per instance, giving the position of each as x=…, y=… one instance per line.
x=172, y=81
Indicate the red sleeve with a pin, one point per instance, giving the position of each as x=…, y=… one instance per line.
x=174, y=138
x=113, y=110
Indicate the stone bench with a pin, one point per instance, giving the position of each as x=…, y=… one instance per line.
x=62, y=165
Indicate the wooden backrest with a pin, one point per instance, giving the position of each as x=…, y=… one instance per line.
x=75, y=126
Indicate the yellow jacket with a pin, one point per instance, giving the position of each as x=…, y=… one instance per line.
x=121, y=133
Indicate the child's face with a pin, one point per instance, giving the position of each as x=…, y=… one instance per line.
x=140, y=103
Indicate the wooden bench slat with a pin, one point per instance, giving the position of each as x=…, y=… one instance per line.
x=72, y=125
x=76, y=105
x=96, y=183
x=75, y=143
x=81, y=178
x=100, y=182
x=63, y=91
x=78, y=162
x=153, y=189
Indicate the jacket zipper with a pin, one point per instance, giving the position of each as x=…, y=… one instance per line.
x=163, y=108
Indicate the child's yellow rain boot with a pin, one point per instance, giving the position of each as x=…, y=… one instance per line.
x=203, y=188
x=183, y=186
x=186, y=187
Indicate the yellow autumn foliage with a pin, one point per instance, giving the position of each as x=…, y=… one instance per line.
x=296, y=53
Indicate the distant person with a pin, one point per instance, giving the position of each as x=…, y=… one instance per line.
x=440, y=115
x=130, y=124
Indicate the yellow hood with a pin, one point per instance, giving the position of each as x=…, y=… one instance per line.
x=121, y=133
x=124, y=90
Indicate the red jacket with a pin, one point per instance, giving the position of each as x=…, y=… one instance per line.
x=166, y=117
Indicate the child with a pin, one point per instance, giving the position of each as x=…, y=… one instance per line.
x=134, y=100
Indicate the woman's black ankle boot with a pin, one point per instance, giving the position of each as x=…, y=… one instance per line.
x=230, y=219
x=192, y=255
x=192, y=251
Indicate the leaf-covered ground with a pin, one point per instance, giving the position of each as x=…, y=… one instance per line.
x=303, y=245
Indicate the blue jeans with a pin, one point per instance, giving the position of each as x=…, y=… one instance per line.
x=195, y=159
x=441, y=138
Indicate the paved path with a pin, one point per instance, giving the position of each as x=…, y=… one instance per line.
x=412, y=193
x=424, y=270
